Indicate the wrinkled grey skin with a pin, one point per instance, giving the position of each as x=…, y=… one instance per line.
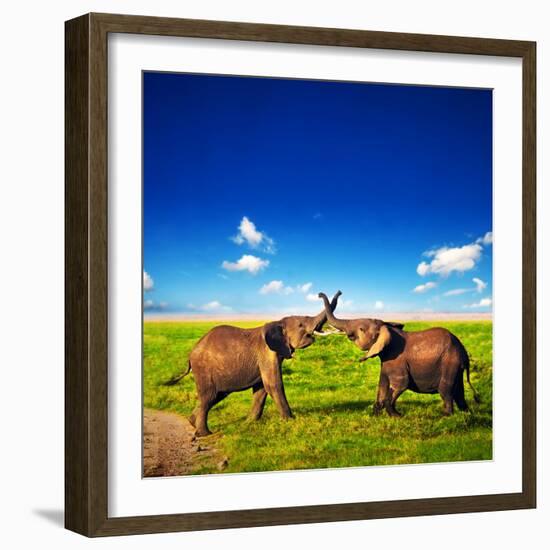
x=426, y=361
x=229, y=359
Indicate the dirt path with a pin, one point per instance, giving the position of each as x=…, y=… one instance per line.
x=170, y=447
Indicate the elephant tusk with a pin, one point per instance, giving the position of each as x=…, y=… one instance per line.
x=327, y=333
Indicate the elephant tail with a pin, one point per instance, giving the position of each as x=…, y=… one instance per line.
x=175, y=379
x=466, y=366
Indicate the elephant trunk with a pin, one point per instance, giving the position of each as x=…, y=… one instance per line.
x=340, y=324
x=320, y=319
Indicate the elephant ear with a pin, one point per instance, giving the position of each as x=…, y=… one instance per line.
x=276, y=340
x=383, y=339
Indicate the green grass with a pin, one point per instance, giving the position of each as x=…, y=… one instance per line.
x=331, y=394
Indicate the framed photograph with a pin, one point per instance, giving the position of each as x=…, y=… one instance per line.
x=300, y=275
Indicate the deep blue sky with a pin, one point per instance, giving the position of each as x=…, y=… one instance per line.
x=352, y=182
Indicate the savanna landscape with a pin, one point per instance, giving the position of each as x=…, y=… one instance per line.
x=331, y=394
x=259, y=195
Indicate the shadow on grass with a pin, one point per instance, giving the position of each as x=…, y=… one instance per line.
x=338, y=407
x=411, y=408
x=403, y=406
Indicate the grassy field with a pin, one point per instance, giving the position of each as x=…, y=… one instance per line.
x=331, y=395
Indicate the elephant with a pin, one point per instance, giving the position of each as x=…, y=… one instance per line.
x=427, y=361
x=229, y=359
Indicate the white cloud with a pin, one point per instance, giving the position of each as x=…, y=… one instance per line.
x=345, y=304
x=446, y=260
x=378, y=304
x=276, y=287
x=424, y=288
x=248, y=233
x=480, y=285
x=306, y=287
x=312, y=297
x=248, y=263
x=148, y=282
x=484, y=302
x=254, y=238
x=457, y=291
x=150, y=305
x=423, y=269
x=486, y=240
x=214, y=305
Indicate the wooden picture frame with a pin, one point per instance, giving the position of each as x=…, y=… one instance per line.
x=86, y=321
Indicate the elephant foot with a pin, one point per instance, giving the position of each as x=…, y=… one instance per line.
x=395, y=414
x=377, y=409
x=202, y=432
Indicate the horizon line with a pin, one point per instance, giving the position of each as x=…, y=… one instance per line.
x=393, y=316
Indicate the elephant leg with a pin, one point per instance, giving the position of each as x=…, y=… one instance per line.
x=258, y=401
x=277, y=393
x=458, y=394
x=273, y=384
x=446, y=393
x=207, y=402
x=461, y=403
x=193, y=418
x=382, y=394
x=395, y=393
x=399, y=382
